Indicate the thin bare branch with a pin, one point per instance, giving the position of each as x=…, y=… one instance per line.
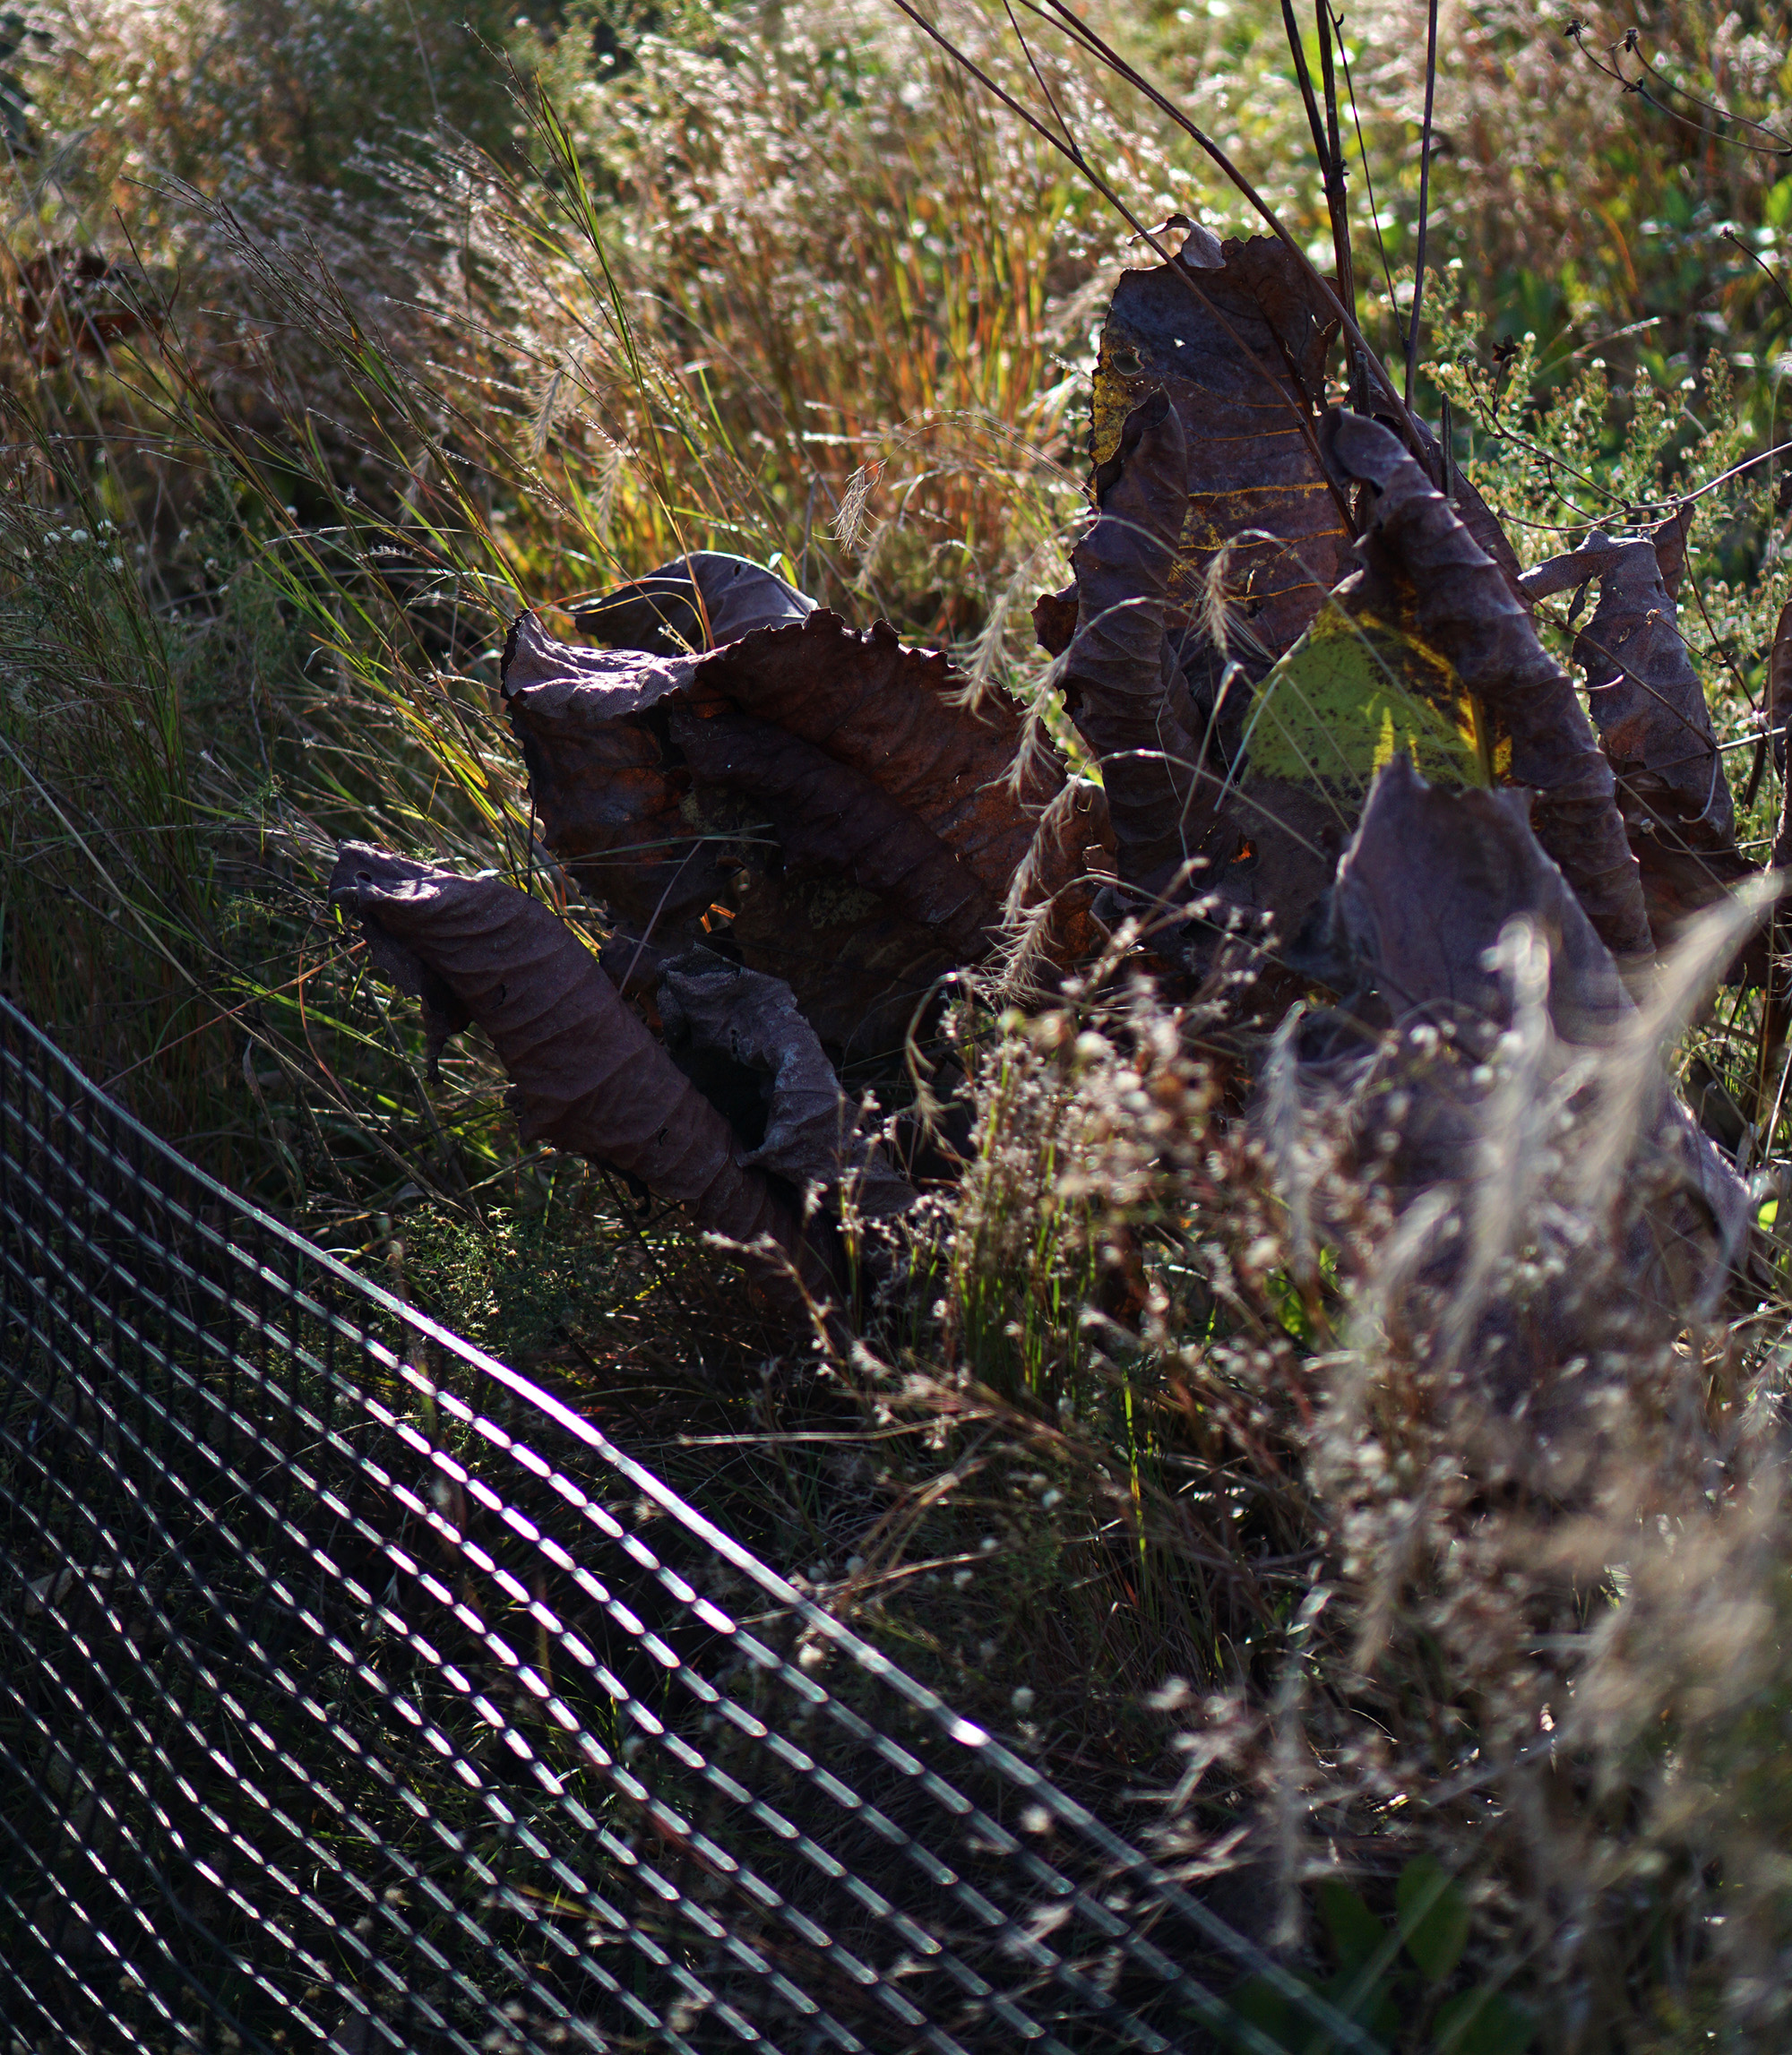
x=1337, y=201
x=1362, y=154
x=1080, y=32
x=1304, y=79
x=1766, y=268
x=1424, y=195
x=1073, y=152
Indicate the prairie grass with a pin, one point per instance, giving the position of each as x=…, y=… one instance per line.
x=1135, y=1462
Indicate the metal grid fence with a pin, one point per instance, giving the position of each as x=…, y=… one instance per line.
x=355, y=1695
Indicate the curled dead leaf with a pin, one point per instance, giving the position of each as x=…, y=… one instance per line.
x=1649, y=706
x=1490, y=1069
x=586, y=1075
x=1221, y=524
x=696, y=601
x=1429, y=882
x=738, y=1035
x=1463, y=608
x=1049, y=920
x=1236, y=337
x=1423, y=650
x=822, y=803
x=1123, y=686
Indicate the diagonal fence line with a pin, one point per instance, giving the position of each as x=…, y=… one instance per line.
x=343, y=1705
x=940, y=1877
x=936, y=1874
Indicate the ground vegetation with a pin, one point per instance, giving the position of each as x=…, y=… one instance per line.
x=1191, y=1425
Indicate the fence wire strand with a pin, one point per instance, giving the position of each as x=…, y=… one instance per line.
x=345, y=1706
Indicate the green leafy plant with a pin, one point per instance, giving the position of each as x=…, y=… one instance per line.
x=1388, y=1973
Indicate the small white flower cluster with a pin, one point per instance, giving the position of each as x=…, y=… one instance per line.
x=101, y=538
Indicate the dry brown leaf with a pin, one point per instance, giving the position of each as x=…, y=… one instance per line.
x=609, y=799
x=1425, y=647
x=1462, y=606
x=1229, y=532
x=1121, y=681
x=696, y=601
x=1237, y=338
x=738, y=1035
x=1419, y=934
x=833, y=821
x=1429, y=883
x=822, y=802
x=1048, y=919
x=72, y=303
x=1654, y=725
x=587, y=1075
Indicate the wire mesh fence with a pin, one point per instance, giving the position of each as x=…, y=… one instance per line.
x=355, y=1695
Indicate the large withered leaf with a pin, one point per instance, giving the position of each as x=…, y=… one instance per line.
x=1236, y=337
x=824, y=799
x=1350, y=692
x=739, y=1035
x=587, y=1077
x=608, y=795
x=1654, y=725
x=1417, y=553
x=1430, y=884
x=831, y=818
x=1361, y=688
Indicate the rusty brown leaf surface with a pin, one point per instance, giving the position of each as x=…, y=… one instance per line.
x=1419, y=931
x=822, y=802
x=1471, y=509
x=834, y=819
x=587, y=1075
x=1255, y=848
x=1425, y=647
x=1049, y=920
x=1655, y=726
x=608, y=802
x=738, y=1035
x=1217, y=520
x=1237, y=338
x=1427, y=885
x=1462, y=608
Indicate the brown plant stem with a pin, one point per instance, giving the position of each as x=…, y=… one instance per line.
x=1424, y=195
